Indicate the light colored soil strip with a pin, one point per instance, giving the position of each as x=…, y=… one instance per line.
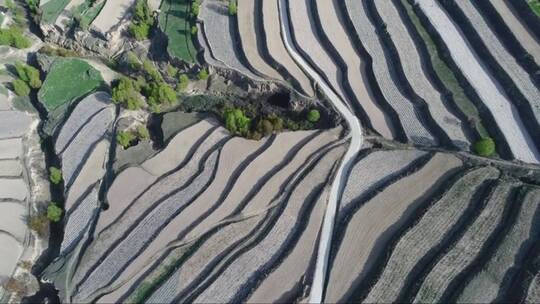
x=236, y=274
x=78, y=220
x=10, y=250
x=295, y=266
x=13, y=189
x=409, y=118
x=465, y=250
x=177, y=149
x=485, y=285
x=430, y=231
x=75, y=154
x=533, y=295
x=519, y=76
x=154, y=4
x=93, y=170
x=216, y=20
x=381, y=215
x=10, y=168
x=141, y=235
x=277, y=49
x=336, y=32
x=210, y=250
x=13, y=220
x=505, y=114
x=14, y=124
x=10, y=148
x=263, y=198
x=374, y=169
x=417, y=77
x=247, y=181
x=520, y=31
x=79, y=117
x=248, y=35
x=111, y=14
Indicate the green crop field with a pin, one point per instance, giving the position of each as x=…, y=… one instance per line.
x=52, y=9
x=174, y=21
x=87, y=12
x=535, y=5
x=67, y=80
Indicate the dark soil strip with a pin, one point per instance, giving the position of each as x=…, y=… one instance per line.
x=507, y=37
x=156, y=133
x=339, y=61
x=262, y=48
x=362, y=286
x=276, y=213
x=527, y=16
x=523, y=106
x=457, y=285
x=420, y=105
x=417, y=276
x=399, y=133
x=136, y=222
x=487, y=117
x=518, y=278
x=431, y=75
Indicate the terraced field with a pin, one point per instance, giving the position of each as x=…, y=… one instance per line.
x=174, y=21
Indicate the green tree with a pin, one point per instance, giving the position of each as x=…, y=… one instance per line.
x=183, y=82
x=139, y=30
x=54, y=213
x=151, y=71
x=233, y=9
x=126, y=93
x=55, y=175
x=236, y=121
x=195, y=8
x=159, y=93
x=171, y=70
x=485, y=147
x=125, y=138
x=313, y=116
x=20, y=87
x=13, y=36
x=203, y=74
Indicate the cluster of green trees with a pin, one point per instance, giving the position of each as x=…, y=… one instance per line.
x=28, y=78
x=142, y=20
x=14, y=37
x=128, y=138
x=241, y=124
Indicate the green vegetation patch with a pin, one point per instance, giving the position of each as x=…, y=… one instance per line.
x=535, y=6
x=176, y=23
x=446, y=75
x=52, y=9
x=68, y=79
x=87, y=12
x=14, y=37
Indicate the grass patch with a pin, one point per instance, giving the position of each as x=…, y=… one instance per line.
x=87, y=12
x=68, y=79
x=175, y=22
x=535, y=6
x=52, y=9
x=446, y=75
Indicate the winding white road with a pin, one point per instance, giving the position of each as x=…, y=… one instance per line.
x=356, y=137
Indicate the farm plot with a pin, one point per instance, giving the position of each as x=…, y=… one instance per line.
x=409, y=117
x=59, y=89
x=276, y=48
x=418, y=78
x=485, y=285
x=332, y=26
x=466, y=249
x=174, y=21
x=249, y=26
x=380, y=217
x=533, y=295
x=112, y=14
x=521, y=32
x=520, y=78
x=446, y=76
x=222, y=36
x=50, y=10
x=512, y=127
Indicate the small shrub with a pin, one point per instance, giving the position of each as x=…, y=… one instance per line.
x=233, y=9
x=39, y=224
x=313, y=116
x=13, y=36
x=151, y=72
x=125, y=138
x=171, y=71
x=20, y=87
x=203, y=74
x=183, y=82
x=143, y=132
x=54, y=213
x=133, y=61
x=28, y=74
x=55, y=175
x=194, y=30
x=485, y=147
x=195, y=8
